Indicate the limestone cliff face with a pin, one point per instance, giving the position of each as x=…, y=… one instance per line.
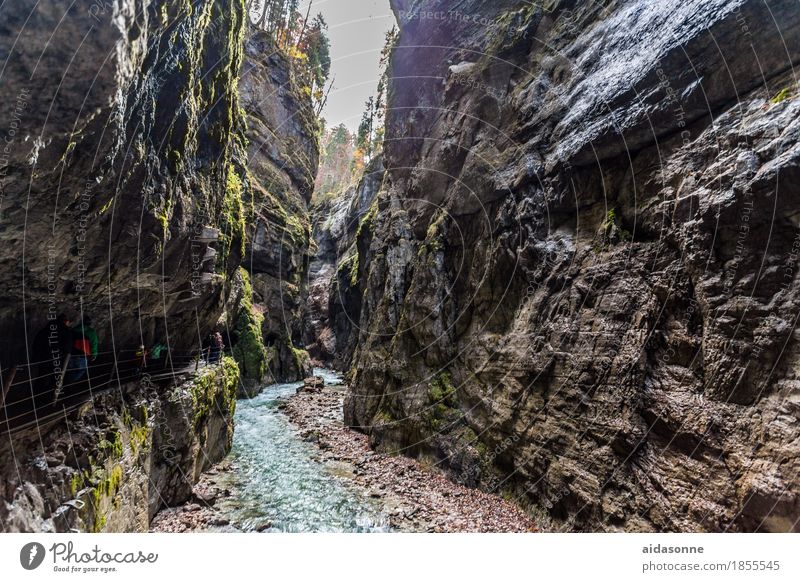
x=334, y=298
x=122, y=179
x=283, y=155
x=580, y=285
x=123, y=140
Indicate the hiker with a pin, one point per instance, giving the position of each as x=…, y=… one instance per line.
x=217, y=345
x=157, y=356
x=84, y=348
x=49, y=353
x=157, y=351
x=141, y=359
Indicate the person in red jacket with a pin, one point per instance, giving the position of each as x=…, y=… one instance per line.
x=84, y=349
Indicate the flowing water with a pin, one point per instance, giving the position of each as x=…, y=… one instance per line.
x=278, y=481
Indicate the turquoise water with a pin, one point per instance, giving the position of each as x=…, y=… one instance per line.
x=278, y=481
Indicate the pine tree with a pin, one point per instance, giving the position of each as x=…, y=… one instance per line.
x=381, y=98
x=364, y=140
x=315, y=44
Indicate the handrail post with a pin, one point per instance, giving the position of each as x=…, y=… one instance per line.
x=6, y=383
x=60, y=380
x=114, y=369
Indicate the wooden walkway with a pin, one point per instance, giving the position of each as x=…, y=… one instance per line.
x=30, y=401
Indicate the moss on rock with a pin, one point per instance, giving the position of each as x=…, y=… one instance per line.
x=232, y=219
x=441, y=400
x=301, y=358
x=249, y=350
x=783, y=95
x=214, y=389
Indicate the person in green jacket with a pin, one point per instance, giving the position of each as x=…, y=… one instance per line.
x=84, y=349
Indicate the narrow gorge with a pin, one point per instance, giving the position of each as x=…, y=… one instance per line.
x=554, y=289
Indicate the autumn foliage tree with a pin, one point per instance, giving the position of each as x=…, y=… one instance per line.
x=334, y=175
x=302, y=38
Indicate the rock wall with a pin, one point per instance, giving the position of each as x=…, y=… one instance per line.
x=334, y=302
x=283, y=155
x=580, y=285
x=122, y=141
x=122, y=186
x=119, y=459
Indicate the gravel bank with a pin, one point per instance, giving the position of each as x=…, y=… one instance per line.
x=416, y=497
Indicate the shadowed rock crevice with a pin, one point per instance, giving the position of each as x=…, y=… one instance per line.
x=331, y=325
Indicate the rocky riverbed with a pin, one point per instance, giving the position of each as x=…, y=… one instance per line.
x=405, y=494
x=416, y=497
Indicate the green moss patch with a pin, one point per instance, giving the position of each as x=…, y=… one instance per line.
x=368, y=220
x=348, y=268
x=232, y=219
x=249, y=351
x=213, y=390
x=611, y=232
x=441, y=400
x=301, y=357
x=782, y=95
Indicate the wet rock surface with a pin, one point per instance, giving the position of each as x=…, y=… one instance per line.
x=580, y=285
x=199, y=513
x=312, y=384
x=123, y=129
